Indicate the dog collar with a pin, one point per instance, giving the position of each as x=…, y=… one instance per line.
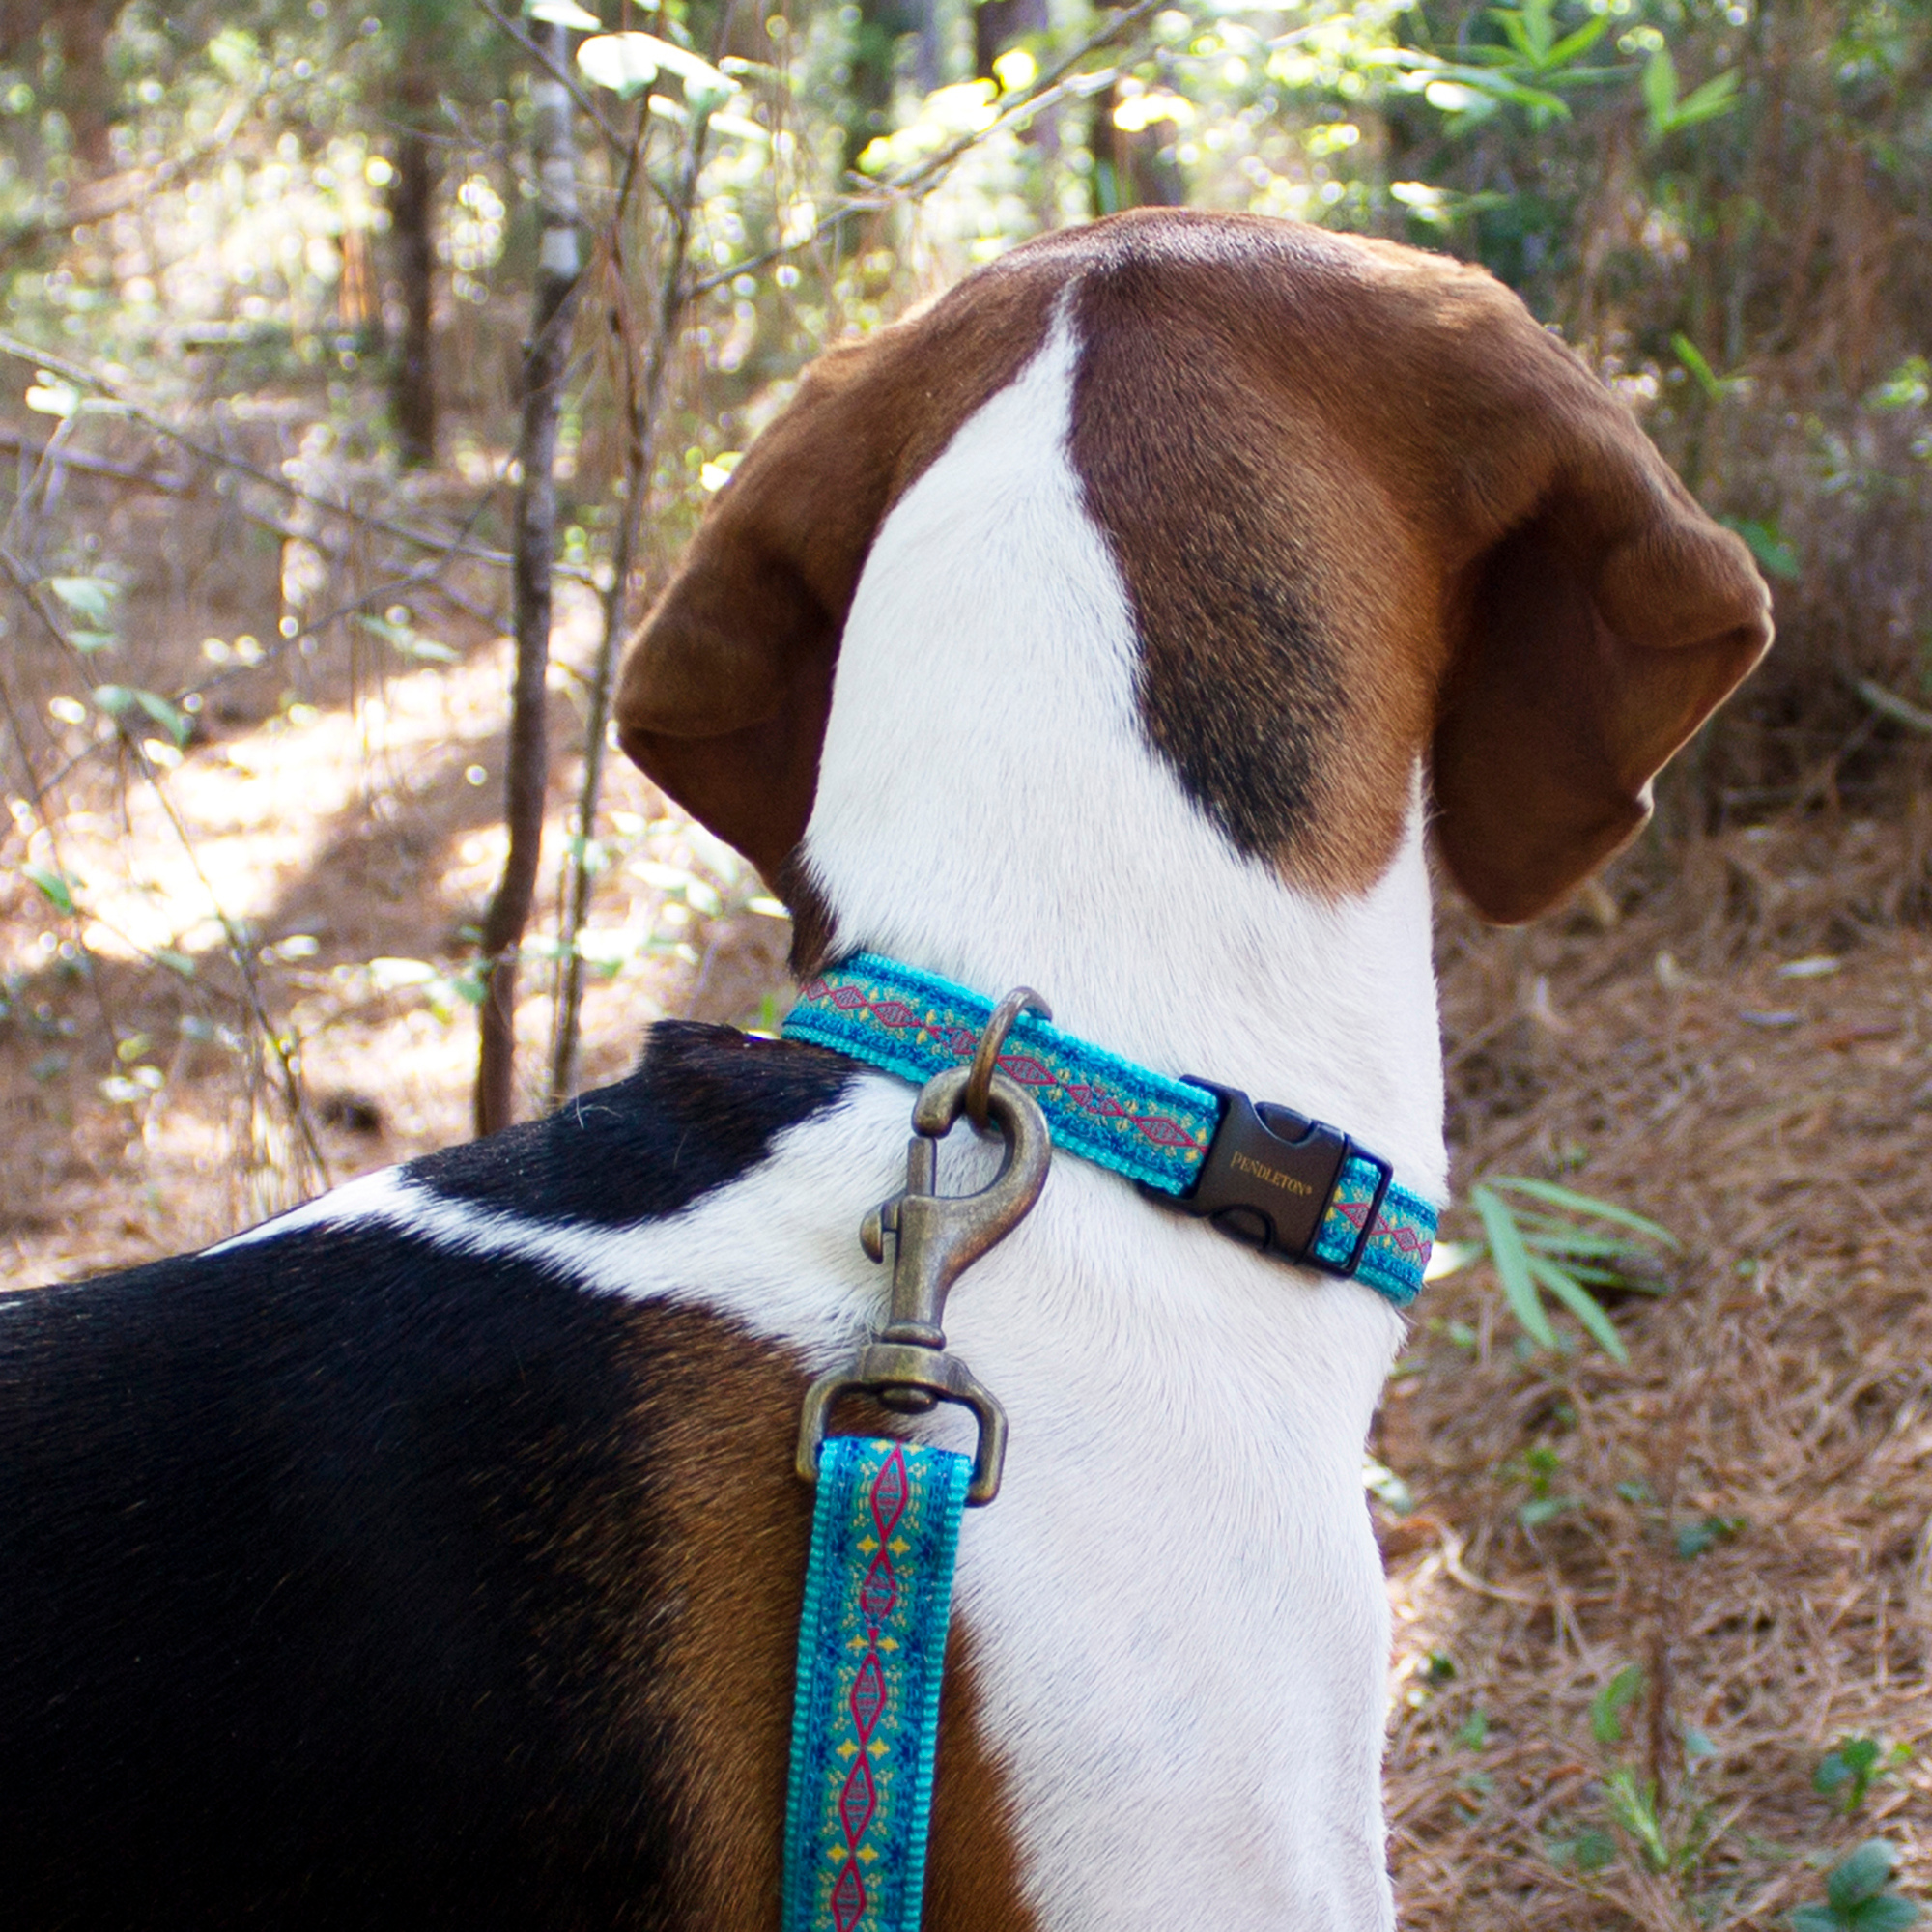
x=1264, y=1175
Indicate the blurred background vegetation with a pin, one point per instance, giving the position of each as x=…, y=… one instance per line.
x=275, y=272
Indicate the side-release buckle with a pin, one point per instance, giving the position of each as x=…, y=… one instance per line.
x=1269, y=1177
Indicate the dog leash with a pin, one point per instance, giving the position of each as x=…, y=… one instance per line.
x=1262, y=1174
x=878, y=1590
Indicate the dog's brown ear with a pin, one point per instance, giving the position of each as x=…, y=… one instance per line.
x=1601, y=620
x=725, y=688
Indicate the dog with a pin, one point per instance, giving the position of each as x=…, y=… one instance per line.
x=1125, y=624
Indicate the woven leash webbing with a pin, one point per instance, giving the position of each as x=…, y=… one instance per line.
x=1143, y=1125
x=871, y=1647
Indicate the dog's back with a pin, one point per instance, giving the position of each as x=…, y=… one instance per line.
x=345, y=1578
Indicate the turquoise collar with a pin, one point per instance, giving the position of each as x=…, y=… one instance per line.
x=1261, y=1174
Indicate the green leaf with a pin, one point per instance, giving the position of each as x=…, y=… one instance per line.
x=1511, y=1260
x=119, y=699
x=1717, y=96
x=1539, y=1510
x=89, y=597
x=1701, y=372
x=1694, y=1538
x=1890, y=1913
x=1815, y=1919
x=1572, y=45
x=1775, y=558
x=1608, y=1706
x=174, y=962
x=1908, y=386
x=1863, y=1875
x=1659, y=90
x=52, y=887
x=401, y=638
x=1633, y=1806
x=1583, y=1304
x=1594, y=1851
x=1583, y=1203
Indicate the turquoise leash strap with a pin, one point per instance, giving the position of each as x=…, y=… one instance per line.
x=872, y=1648
x=1143, y=1124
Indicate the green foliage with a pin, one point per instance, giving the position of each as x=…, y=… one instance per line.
x=1620, y=1691
x=1671, y=113
x=1633, y=1807
x=1693, y=1539
x=1858, y=1896
x=1552, y=1247
x=1846, y=1774
x=50, y=886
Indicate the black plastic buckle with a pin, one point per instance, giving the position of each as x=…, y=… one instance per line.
x=1268, y=1179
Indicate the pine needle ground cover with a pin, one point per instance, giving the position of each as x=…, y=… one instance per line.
x=1663, y=1627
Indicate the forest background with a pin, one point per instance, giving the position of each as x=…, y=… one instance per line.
x=362, y=372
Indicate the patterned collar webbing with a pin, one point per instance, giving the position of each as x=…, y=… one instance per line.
x=872, y=1646
x=1139, y=1122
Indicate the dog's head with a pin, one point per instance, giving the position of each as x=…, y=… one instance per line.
x=1366, y=511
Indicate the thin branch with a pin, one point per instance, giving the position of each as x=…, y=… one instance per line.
x=560, y=73
x=642, y=408
x=1889, y=705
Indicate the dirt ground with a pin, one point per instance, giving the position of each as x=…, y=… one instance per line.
x=1735, y=1044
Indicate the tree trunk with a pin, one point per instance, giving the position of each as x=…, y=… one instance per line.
x=545, y=360
x=411, y=212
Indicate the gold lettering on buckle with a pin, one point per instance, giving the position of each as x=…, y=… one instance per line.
x=1272, y=1176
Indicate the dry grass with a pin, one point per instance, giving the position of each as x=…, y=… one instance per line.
x=1776, y=1123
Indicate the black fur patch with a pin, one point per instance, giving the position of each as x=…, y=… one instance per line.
x=702, y=1107
x=331, y=1587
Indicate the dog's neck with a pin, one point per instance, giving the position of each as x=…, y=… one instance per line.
x=990, y=808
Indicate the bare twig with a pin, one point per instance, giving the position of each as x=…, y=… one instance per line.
x=526, y=767
x=638, y=425
x=559, y=71
x=1889, y=705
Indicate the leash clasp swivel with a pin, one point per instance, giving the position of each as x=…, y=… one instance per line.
x=935, y=1238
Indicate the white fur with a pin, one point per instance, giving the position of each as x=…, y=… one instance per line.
x=1176, y=1605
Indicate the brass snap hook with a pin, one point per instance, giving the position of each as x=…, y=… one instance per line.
x=936, y=1237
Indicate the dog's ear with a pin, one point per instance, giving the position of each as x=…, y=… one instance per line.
x=726, y=687
x=1601, y=618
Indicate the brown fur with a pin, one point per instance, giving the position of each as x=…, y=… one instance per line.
x=1366, y=509
x=725, y=690
x=730, y=1523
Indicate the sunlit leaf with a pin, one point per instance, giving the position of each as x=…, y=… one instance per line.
x=625, y=63
x=563, y=14
x=49, y=396
x=88, y=597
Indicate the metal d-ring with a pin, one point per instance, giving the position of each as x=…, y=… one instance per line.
x=987, y=1055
